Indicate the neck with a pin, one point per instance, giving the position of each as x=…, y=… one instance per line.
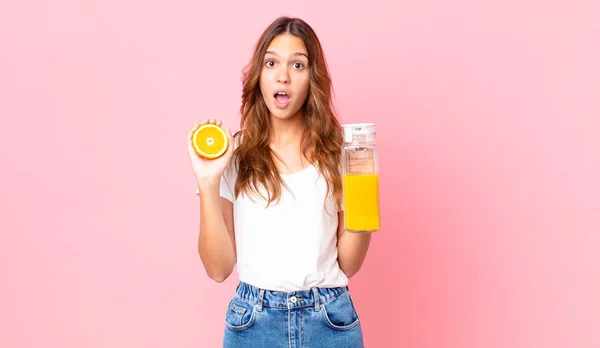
x=285, y=132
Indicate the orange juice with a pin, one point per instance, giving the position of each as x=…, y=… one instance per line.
x=361, y=202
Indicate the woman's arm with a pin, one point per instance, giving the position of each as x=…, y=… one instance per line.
x=216, y=242
x=352, y=248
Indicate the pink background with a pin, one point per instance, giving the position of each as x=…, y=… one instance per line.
x=488, y=120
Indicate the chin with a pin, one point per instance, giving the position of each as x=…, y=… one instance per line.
x=284, y=114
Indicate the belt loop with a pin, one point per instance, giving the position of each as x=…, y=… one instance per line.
x=261, y=295
x=316, y=298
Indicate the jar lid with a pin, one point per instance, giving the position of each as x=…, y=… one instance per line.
x=358, y=132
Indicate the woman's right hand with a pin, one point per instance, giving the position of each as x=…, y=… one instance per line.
x=209, y=171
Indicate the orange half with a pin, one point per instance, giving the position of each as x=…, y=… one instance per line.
x=210, y=141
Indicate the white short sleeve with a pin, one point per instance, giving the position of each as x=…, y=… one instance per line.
x=227, y=186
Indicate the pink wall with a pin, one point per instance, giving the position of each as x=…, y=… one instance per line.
x=488, y=118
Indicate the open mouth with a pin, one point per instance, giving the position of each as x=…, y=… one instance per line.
x=282, y=99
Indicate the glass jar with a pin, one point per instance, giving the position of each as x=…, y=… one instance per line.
x=360, y=175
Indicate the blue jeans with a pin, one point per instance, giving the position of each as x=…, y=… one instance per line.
x=320, y=317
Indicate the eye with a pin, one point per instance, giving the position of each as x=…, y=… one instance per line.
x=298, y=65
x=270, y=63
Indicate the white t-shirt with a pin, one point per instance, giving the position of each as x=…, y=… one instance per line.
x=291, y=245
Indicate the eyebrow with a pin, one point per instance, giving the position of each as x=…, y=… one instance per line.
x=293, y=54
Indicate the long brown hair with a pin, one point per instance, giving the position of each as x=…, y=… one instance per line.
x=322, y=137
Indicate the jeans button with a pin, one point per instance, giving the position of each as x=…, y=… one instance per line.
x=293, y=299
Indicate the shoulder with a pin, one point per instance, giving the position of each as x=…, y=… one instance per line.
x=231, y=171
x=237, y=139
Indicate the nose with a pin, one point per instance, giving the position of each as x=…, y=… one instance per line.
x=283, y=75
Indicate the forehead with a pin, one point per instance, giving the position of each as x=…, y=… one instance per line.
x=286, y=44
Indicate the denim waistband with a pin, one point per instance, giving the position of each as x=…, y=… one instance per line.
x=288, y=300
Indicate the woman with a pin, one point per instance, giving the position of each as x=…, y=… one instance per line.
x=272, y=204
